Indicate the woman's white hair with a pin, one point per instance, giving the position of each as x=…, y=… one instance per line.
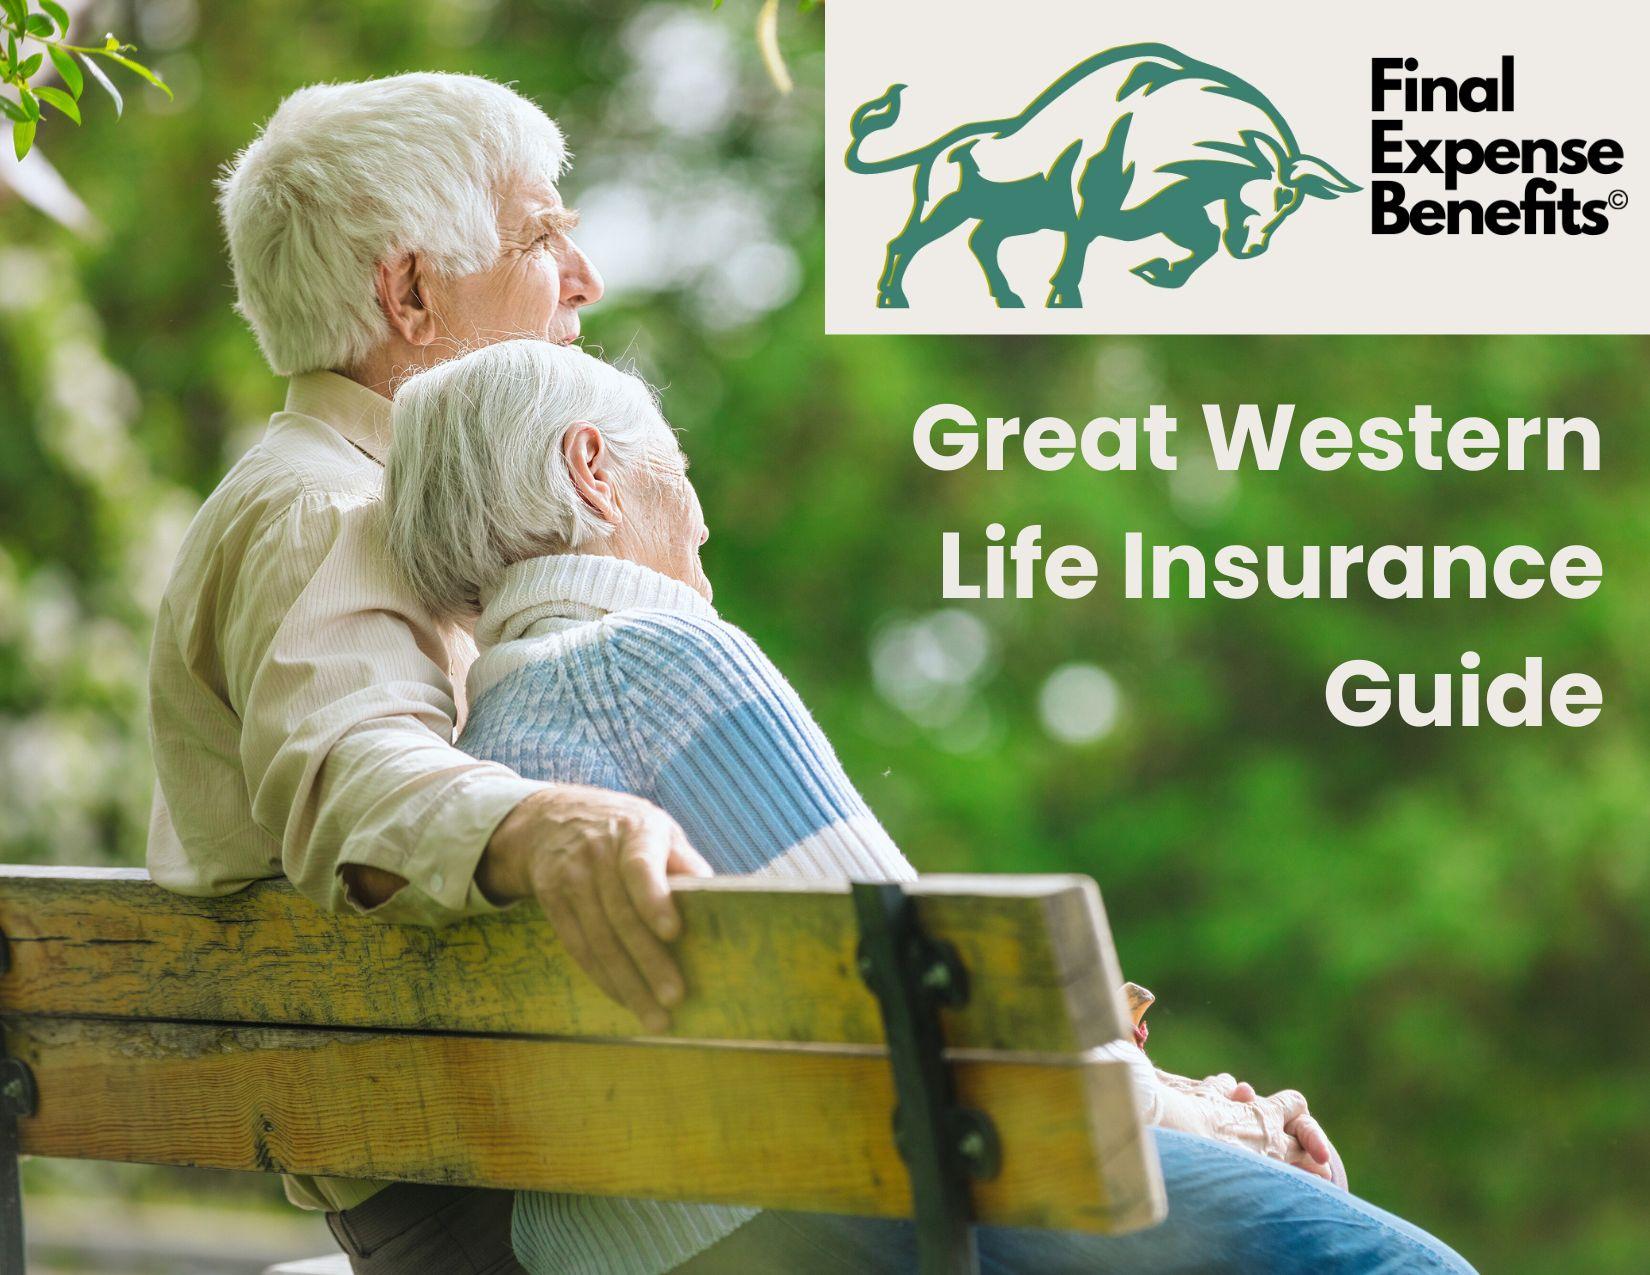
x=345, y=175
x=477, y=478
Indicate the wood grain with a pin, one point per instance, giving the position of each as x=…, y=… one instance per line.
x=206, y=1031
x=765, y=961
x=793, y=1127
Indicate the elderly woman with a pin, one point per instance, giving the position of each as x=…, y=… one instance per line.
x=538, y=492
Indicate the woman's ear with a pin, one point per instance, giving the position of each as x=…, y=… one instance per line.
x=590, y=465
x=403, y=293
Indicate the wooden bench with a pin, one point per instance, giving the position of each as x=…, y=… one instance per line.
x=257, y=1032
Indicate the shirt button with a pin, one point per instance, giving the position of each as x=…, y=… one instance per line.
x=437, y=882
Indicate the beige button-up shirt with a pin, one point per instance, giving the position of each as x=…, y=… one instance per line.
x=302, y=704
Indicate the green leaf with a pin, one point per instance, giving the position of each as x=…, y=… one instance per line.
x=31, y=108
x=30, y=66
x=106, y=82
x=58, y=99
x=58, y=14
x=22, y=137
x=73, y=80
x=138, y=68
x=12, y=110
x=16, y=12
x=38, y=24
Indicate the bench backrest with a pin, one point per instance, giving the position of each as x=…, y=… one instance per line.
x=257, y=1032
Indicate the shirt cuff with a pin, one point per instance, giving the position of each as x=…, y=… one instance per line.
x=1142, y=1075
x=440, y=871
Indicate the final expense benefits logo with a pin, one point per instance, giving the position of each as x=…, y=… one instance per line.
x=1136, y=141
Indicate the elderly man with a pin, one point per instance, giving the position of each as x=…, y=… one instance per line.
x=302, y=704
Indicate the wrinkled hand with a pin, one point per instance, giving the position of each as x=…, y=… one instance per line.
x=597, y=862
x=1278, y=1126
x=1293, y=1134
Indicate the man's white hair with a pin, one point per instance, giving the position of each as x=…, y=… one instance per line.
x=477, y=478
x=345, y=175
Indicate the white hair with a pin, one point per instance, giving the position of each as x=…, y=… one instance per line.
x=345, y=175
x=477, y=478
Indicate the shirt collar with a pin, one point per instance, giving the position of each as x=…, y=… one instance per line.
x=577, y=586
x=359, y=414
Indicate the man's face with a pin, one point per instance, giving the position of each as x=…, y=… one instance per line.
x=536, y=287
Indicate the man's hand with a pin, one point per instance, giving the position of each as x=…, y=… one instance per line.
x=597, y=863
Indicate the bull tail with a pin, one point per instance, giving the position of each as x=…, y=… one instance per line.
x=874, y=116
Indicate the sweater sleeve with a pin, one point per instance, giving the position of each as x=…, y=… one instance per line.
x=722, y=742
x=715, y=735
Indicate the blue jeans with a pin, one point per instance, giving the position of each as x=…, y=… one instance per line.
x=1229, y=1211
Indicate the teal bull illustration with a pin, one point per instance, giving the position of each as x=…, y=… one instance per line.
x=1130, y=143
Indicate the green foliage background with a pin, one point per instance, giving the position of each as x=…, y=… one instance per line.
x=1442, y=937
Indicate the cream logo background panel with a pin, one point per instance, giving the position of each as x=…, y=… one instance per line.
x=1308, y=260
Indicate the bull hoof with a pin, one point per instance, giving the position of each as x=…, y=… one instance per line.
x=1058, y=300
x=1009, y=301
x=1160, y=273
x=892, y=301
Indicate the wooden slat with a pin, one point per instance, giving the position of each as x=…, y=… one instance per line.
x=793, y=1127
x=764, y=960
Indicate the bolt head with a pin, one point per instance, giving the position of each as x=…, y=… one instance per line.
x=937, y=977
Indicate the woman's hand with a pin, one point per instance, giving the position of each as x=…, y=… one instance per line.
x=597, y=862
x=1279, y=1126
x=1292, y=1134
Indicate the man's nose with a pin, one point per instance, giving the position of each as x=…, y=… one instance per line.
x=581, y=283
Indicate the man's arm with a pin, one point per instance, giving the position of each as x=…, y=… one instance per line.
x=347, y=717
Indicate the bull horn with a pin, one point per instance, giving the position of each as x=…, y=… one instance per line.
x=1312, y=176
x=1272, y=149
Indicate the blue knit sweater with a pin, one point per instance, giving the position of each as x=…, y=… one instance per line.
x=598, y=671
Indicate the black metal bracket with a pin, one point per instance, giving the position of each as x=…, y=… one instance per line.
x=17, y=1098
x=944, y=1145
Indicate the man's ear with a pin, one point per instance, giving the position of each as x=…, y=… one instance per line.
x=402, y=292
x=590, y=465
